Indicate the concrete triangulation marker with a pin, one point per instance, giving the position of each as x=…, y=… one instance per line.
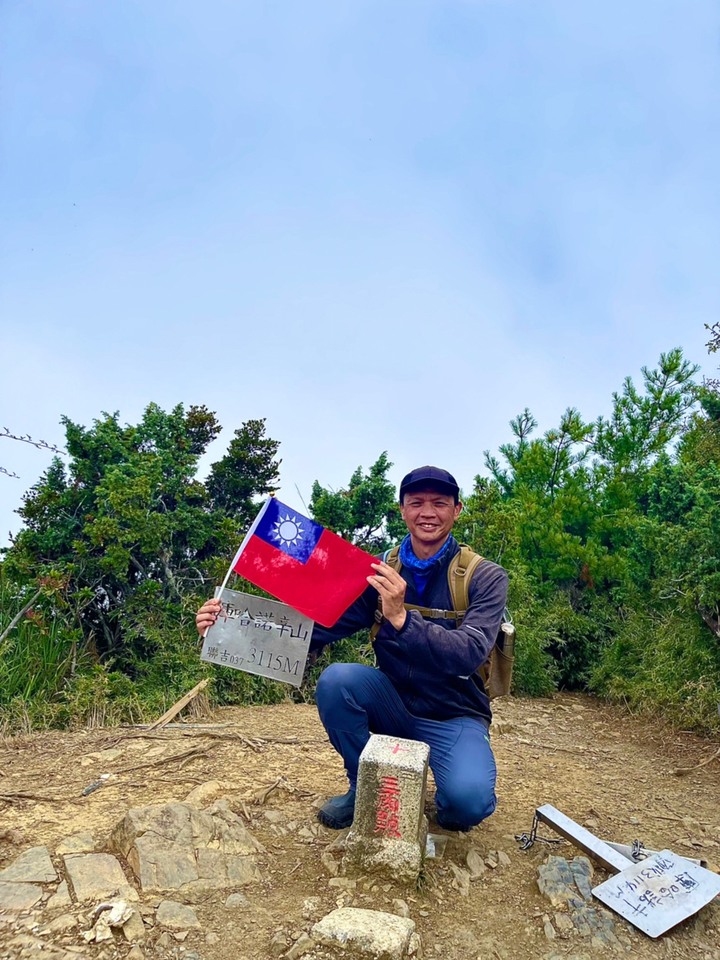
x=390, y=828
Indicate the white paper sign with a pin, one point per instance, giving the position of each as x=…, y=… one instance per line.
x=259, y=636
x=659, y=892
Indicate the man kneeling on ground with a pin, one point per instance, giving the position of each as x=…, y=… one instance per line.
x=425, y=686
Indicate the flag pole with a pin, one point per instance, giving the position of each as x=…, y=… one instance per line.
x=242, y=546
x=234, y=560
x=227, y=576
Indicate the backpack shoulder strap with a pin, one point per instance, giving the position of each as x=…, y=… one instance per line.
x=460, y=573
x=496, y=672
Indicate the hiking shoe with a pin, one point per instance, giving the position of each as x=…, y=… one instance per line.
x=338, y=812
x=450, y=826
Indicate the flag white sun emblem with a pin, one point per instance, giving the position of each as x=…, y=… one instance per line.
x=288, y=530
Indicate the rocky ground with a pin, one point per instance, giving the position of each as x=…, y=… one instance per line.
x=611, y=772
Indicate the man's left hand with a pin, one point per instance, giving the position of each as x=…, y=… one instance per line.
x=391, y=587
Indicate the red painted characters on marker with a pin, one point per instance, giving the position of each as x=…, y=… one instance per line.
x=388, y=809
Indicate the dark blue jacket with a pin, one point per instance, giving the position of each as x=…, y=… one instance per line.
x=432, y=663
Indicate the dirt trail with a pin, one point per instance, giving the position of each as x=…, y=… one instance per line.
x=605, y=769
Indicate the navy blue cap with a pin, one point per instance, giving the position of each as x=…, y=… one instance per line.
x=433, y=477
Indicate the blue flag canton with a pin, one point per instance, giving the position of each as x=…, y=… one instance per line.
x=289, y=531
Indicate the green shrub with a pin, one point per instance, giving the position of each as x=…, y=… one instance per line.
x=534, y=674
x=663, y=663
x=37, y=657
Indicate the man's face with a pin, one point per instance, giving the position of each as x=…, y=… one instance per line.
x=429, y=516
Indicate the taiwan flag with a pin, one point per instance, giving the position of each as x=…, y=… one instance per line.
x=302, y=564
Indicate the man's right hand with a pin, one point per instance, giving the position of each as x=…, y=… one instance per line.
x=207, y=615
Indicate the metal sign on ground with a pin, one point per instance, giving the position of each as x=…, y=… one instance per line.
x=259, y=636
x=659, y=892
x=654, y=894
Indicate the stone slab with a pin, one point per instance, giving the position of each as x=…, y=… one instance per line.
x=97, y=876
x=76, y=843
x=177, y=847
x=561, y=880
x=60, y=899
x=16, y=897
x=32, y=866
x=367, y=933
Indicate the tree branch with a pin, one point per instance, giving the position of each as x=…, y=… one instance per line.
x=40, y=444
x=16, y=619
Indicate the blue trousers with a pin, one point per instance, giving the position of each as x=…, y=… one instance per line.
x=355, y=701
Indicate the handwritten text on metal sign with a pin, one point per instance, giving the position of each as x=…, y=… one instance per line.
x=659, y=892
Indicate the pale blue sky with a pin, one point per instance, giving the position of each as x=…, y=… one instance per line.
x=379, y=225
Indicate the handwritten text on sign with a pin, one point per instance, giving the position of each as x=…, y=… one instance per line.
x=659, y=892
x=259, y=636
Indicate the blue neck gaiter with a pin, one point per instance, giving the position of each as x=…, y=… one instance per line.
x=422, y=569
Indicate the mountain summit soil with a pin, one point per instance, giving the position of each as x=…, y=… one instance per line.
x=613, y=773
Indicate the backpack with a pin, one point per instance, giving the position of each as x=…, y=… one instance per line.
x=496, y=672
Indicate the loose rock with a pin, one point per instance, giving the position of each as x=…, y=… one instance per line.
x=370, y=933
x=303, y=944
x=237, y=901
x=593, y=922
x=176, y=916
x=461, y=880
x=311, y=906
x=204, y=793
x=563, y=923
x=134, y=928
x=329, y=863
x=278, y=944
x=400, y=908
x=475, y=863
x=344, y=883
